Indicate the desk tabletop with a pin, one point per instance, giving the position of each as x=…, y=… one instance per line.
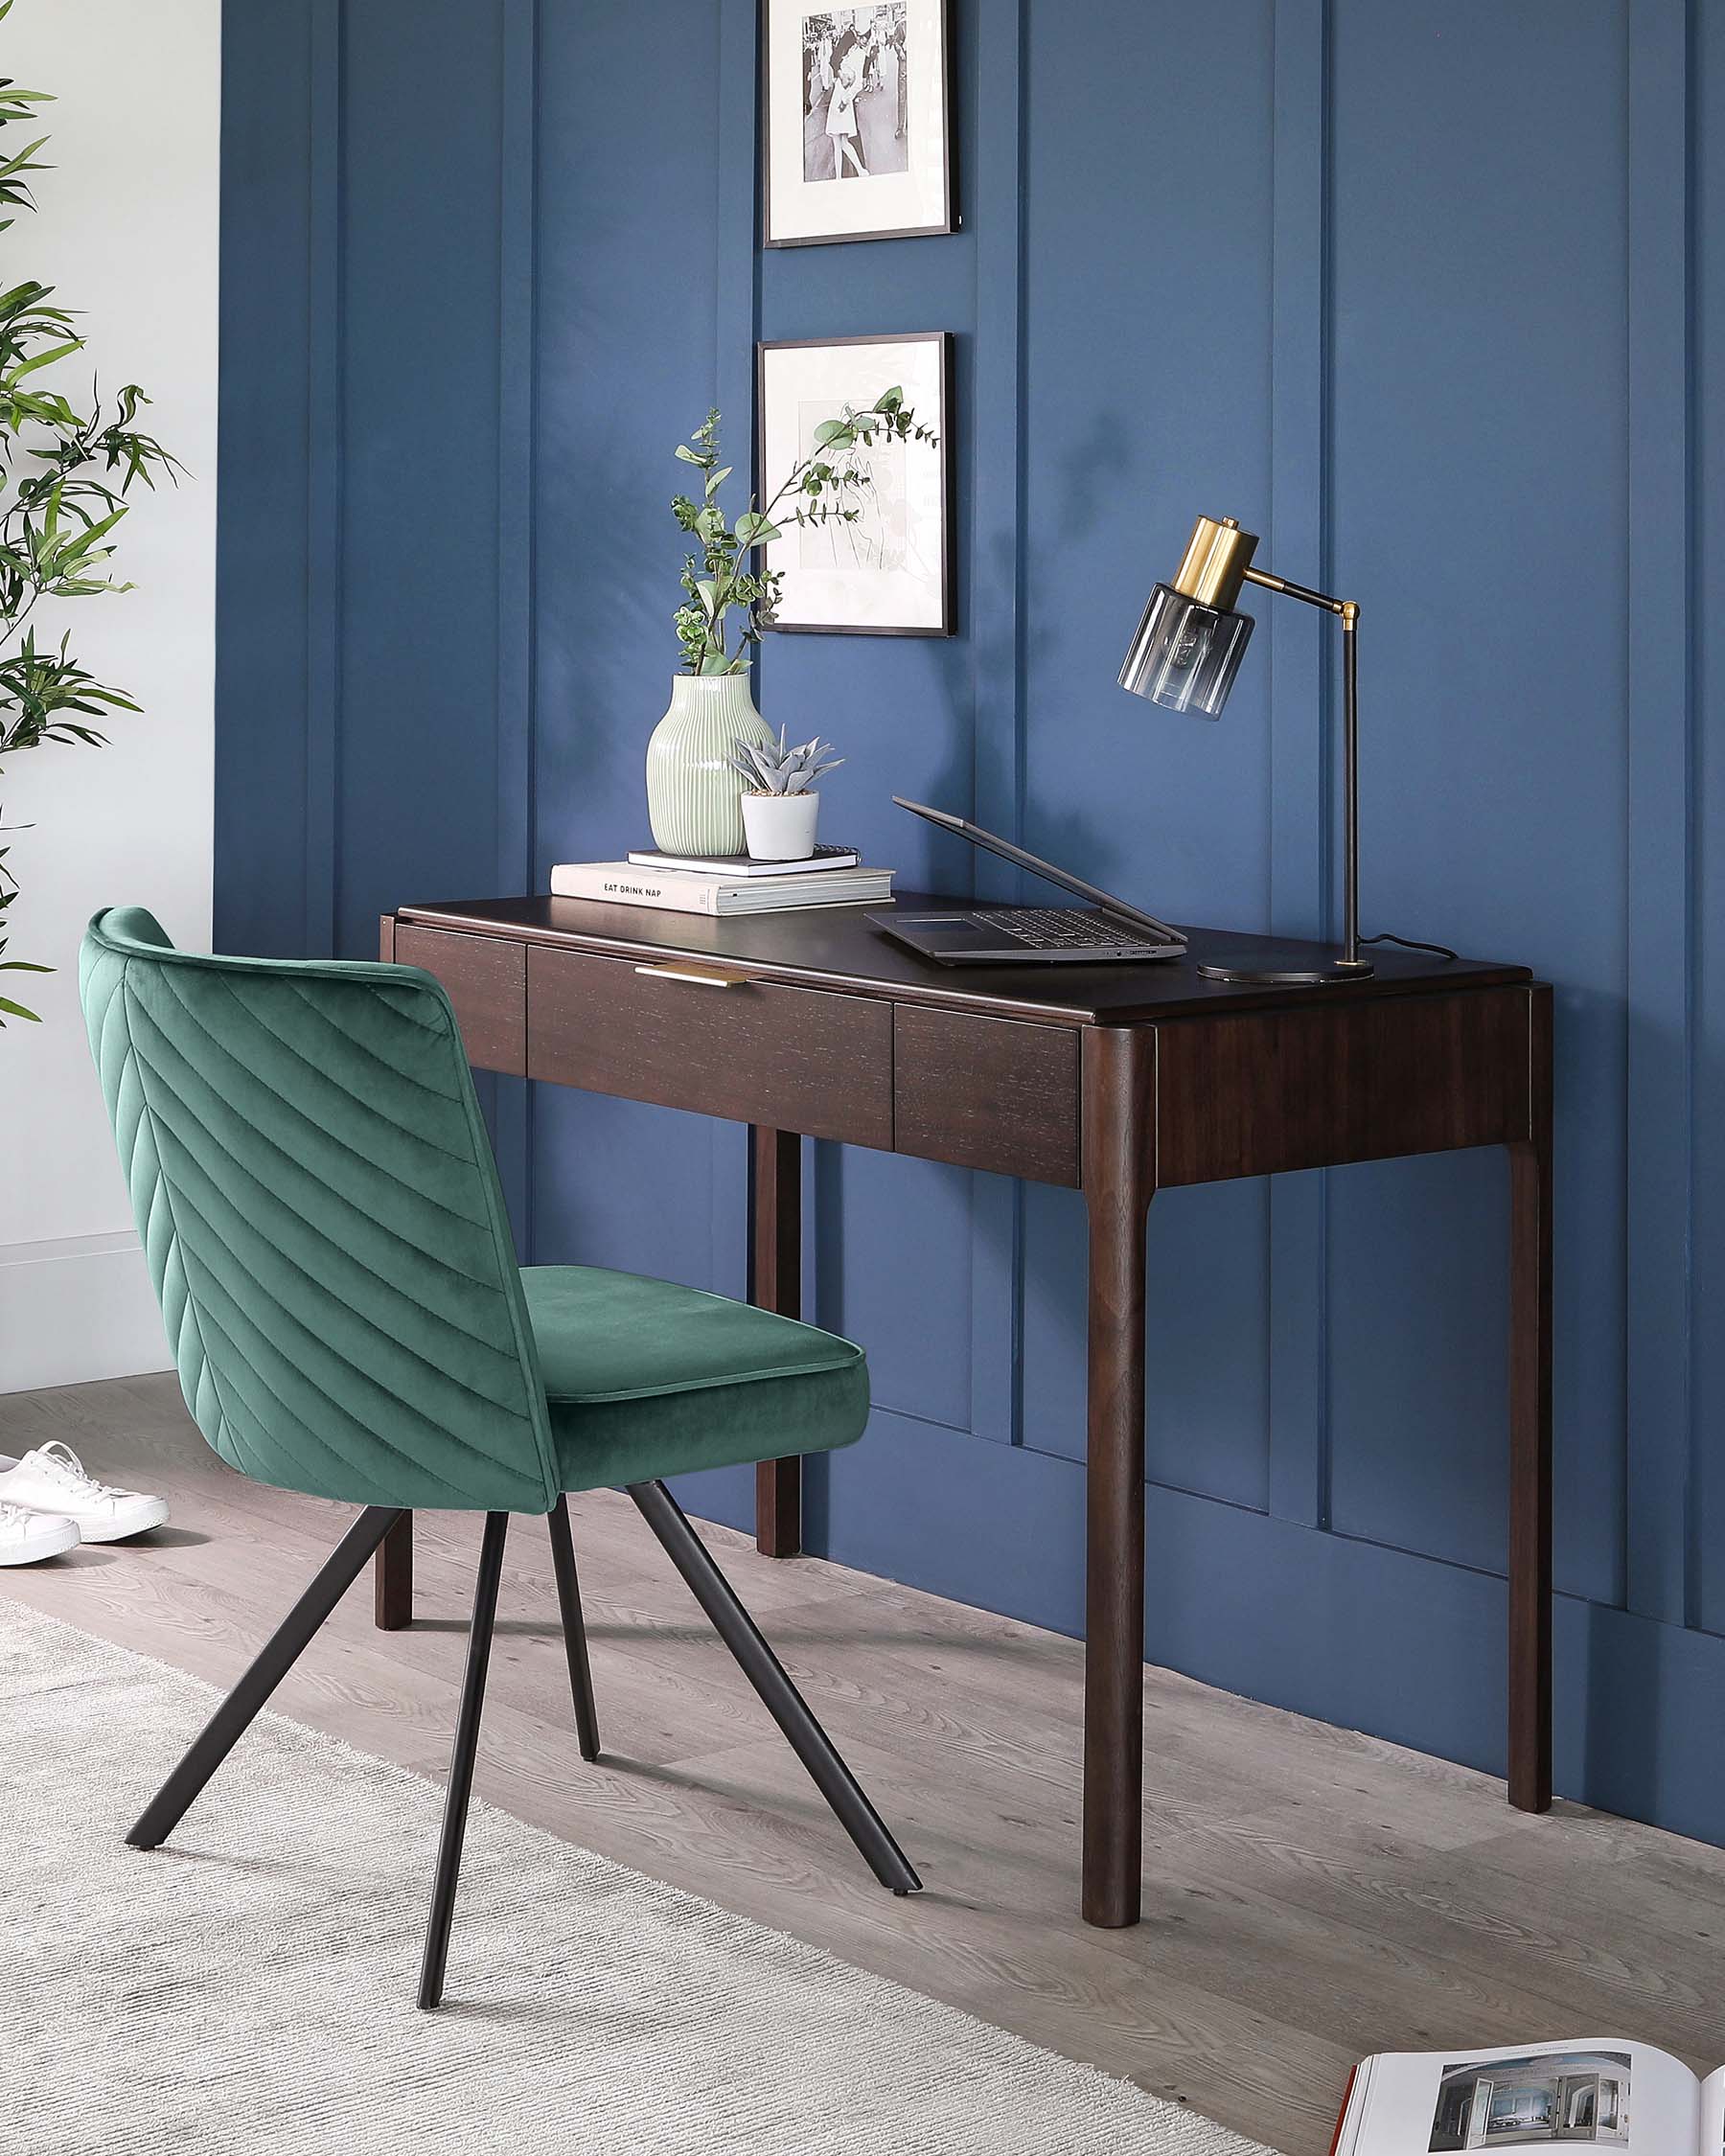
x=837, y=946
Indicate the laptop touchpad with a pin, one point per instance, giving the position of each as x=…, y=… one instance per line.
x=961, y=927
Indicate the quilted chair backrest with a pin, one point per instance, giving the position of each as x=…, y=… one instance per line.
x=320, y=1209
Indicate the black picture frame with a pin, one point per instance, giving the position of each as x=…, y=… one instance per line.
x=948, y=221
x=947, y=625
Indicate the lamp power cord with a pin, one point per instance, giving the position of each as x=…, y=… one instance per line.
x=1412, y=943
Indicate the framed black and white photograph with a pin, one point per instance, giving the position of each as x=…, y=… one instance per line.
x=856, y=139
x=886, y=571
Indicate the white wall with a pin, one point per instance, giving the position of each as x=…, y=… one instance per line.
x=127, y=231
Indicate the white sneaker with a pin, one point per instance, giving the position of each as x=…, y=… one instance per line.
x=27, y=1537
x=52, y=1480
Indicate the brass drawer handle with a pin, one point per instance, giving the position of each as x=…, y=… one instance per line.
x=700, y=980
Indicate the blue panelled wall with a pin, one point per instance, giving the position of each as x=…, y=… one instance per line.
x=1433, y=296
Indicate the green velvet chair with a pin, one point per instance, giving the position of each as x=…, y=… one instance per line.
x=322, y=1219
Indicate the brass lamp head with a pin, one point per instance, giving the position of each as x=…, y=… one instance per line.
x=1214, y=565
x=1190, y=641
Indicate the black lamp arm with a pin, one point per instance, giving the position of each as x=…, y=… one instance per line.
x=1351, y=749
x=1342, y=606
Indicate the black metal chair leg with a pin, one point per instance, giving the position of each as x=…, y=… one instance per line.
x=461, y=1761
x=575, y=1646
x=783, y=1700
x=280, y=1651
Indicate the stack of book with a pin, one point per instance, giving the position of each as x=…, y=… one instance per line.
x=689, y=883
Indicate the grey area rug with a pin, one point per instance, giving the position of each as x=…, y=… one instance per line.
x=249, y=1985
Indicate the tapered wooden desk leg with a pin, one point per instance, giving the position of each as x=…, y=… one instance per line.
x=775, y=1283
x=392, y=1579
x=1530, y=1436
x=1118, y=1180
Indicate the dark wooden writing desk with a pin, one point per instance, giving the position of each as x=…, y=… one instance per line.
x=1117, y=1081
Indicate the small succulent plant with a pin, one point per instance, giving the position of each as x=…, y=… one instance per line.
x=771, y=767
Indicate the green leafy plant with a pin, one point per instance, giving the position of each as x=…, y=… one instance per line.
x=65, y=471
x=8, y=892
x=771, y=768
x=819, y=487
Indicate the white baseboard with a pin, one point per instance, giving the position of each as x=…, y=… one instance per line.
x=75, y=1308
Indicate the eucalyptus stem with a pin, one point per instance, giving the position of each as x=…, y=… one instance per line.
x=716, y=579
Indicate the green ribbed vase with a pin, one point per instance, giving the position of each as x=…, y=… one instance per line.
x=694, y=798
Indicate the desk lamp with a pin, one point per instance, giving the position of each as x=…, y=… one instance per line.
x=1185, y=656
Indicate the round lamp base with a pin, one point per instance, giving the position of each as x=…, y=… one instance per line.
x=1287, y=965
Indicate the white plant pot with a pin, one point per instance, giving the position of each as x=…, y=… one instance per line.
x=780, y=826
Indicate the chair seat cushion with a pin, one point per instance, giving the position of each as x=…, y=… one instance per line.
x=646, y=1379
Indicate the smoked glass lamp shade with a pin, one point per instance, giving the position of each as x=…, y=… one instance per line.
x=1186, y=654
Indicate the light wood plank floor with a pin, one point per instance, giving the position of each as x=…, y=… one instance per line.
x=1310, y=1893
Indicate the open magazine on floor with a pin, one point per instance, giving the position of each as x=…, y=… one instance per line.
x=1594, y=2093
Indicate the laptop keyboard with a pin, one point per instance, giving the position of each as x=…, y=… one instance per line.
x=1054, y=928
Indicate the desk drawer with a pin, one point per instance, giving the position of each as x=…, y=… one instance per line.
x=486, y=980
x=795, y=1059
x=987, y=1093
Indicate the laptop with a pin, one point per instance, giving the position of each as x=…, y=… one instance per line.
x=1026, y=935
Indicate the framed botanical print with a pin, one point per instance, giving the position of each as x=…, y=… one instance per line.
x=885, y=569
x=856, y=135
